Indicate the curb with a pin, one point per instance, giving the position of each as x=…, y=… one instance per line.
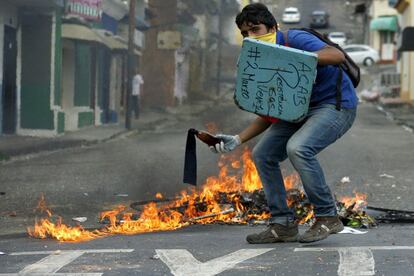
x=71, y=144
x=393, y=118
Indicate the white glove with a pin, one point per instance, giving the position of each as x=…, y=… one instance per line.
x=228, y=143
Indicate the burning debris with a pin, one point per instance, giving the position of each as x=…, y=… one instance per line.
x=235, y=196
x=52, y=227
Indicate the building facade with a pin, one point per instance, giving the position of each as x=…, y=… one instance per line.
x=384, y=29
x=187, y=52
x=62, y=64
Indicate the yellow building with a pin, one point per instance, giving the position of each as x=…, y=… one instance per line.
x=406, y=48
x=384, y=27
x=237, y=34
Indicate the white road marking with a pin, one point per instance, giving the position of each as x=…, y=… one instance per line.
x=182, y=262
x=57, y=259
x=53, y=274
x=355, y=260
x=56, y=252
x=51, y=263
x=303, y=249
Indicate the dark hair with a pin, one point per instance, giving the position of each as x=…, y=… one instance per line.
x=256, y=13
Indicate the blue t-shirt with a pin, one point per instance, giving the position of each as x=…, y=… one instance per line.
x=324, y=89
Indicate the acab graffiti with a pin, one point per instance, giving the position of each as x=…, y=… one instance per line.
x=271, y=88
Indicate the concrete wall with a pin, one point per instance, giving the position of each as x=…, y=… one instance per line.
x=116, y=84
x=1, y=71
x=200, y=25
x=79, y=86
x=68, y=85
x=411, y=58
x=381, y=7
x=230, y=29
x=158, y=65
x=407, y=59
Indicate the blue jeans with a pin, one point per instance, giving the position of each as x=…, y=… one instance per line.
x=301, y=142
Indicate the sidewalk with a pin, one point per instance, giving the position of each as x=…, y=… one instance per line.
x=14, y=146
x=395, y=108
x=402, y=112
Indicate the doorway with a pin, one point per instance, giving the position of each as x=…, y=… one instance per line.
x=9, y=98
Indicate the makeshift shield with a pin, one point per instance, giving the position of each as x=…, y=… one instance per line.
x=274, y=80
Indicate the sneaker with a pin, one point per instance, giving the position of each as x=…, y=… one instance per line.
x=276, y=233
x=322, y=228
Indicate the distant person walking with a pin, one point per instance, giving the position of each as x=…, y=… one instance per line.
x=136, y=94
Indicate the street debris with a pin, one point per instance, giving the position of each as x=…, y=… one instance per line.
x=9, y=214
x=121, y=195
x=354, y=216
x=2, y=253
x=137, y=205
x=391, y=215
x=155, y=257
x=384, y=175
x=407, y=128
x=350, y=230
x=231, y=210
x=13, y=214
x=345, y=179
x=2, y=193
x=80, y=219
x=370, y=96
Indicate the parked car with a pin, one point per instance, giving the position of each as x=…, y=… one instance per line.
x=291, y=15
x=319, y=19
x=362, y=54
x=338, y=38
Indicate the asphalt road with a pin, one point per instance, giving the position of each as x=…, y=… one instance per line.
x=212, y=250
x=341, y=17
x=376, y=155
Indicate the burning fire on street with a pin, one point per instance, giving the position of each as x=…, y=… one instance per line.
x=235, y=196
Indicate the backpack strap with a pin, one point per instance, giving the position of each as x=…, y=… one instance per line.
x=339, y=89
x=340, y=74
x=285, y=38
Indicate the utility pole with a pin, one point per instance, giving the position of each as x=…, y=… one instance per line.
x=219, y=46
x=131, y=62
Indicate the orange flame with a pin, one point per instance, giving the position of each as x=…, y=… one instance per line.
x=202, y=206
x=158, y=195
x=150, y=220
x=42, y=207
x=61, y=232
x=359, y=200
x=291, y=181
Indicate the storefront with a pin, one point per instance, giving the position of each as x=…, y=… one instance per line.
x=387, y=27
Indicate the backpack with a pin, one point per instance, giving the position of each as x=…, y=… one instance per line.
x=348, y=66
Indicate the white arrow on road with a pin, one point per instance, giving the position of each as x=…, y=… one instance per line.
x=57, y=260
x=355, y=260
x=181, y=262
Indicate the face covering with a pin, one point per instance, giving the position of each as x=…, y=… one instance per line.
x=269, y=37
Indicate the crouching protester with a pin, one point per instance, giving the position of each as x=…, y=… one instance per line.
x=300, y=142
